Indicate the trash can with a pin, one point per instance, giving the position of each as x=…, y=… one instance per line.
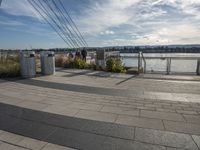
x=27, y=64
x=47, y=62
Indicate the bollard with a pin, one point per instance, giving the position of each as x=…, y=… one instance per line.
x=47, y=62
x=198, y=67
x=27, y=64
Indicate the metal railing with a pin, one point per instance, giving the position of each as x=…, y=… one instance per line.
x=143, y=59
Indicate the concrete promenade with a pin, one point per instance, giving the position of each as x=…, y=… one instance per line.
x=92, y=110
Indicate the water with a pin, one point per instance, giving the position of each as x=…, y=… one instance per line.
x=159, y=65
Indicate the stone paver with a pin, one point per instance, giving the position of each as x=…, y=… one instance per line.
x=121, y=110
x=170, y=148
x=32, y=105
x=26, y=143
x=162, y=115
x=192, y=118
x=87, y=141
x=10, y=137
x=165, y=138
x=93, y=115
x=182, y=127
x=62, y=110
x=50, y=146
x=196, y=140
x=85, y=106
x=6, y=146
x=32, y=143
x=102, y=108
x=140, y=122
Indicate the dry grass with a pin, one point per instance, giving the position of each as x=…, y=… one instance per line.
x=9, y=67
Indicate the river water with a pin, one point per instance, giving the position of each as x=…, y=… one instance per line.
x=159, y=65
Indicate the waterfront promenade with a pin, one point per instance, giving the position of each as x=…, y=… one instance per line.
x=93, y=110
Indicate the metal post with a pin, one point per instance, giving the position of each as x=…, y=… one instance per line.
x=168, y=65
x=139, y=61
x=198, y=67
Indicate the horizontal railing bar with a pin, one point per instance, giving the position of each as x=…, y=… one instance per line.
x=148, y=57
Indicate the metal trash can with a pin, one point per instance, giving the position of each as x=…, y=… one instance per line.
x=47, y=62
x=27, y=64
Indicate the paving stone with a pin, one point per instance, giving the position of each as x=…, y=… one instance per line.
x=99, y=116
x=87, y=141
x=181, y=127
x=31, y=143
x=1, y=131
x=10, y=100
x=165, y=138
x=196, y=140
x=10, y=137
x=50, y=146
x=6, y=146
x=140, y=122
x=121, y=110
x=7, y=122
x=187, y=112
x=146, y=108
x=31, y=129
x=86, y=106
x=62, y=110
x=97, y=127
x=165, y=110
x=33, y=105
x=169, y=148
x=162, y=115
x=192, y=118
x=91, y=126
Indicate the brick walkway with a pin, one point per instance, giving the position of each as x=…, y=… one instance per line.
x=96, y=110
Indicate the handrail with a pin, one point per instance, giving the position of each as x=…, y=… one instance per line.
x=165, y=57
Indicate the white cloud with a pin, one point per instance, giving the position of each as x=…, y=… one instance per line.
x=20, y=8
x=130, y=22
x=107, y=32
x=11, y=23
x=109, y=13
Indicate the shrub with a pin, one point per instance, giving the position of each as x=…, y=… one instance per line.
x=115, y=65
x=69, y=63
x=60, y=60
x=9, y=68
x=80, y=64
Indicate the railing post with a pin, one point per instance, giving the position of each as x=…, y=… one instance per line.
x=139, y=61
x=168, y=65
x=198, y=67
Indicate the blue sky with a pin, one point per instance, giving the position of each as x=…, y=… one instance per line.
x=105, y=23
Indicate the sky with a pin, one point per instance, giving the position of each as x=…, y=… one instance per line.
x=104, y=23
